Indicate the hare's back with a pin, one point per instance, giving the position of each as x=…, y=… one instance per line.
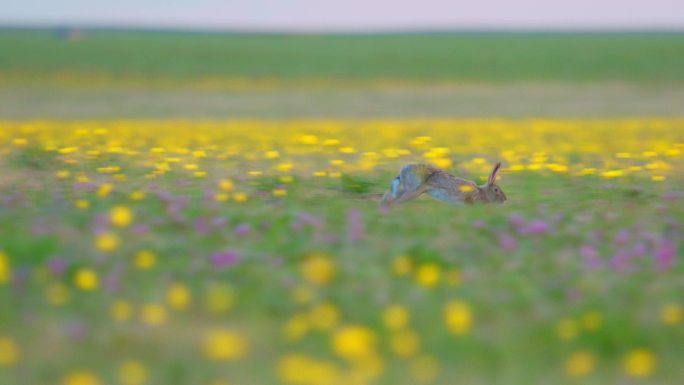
x=446, y=181
x=414, y=175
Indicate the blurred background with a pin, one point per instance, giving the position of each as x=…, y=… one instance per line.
x=222, y=59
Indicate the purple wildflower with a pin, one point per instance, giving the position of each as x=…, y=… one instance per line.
x=596, y=235
x=57, y=265
x=573, y=294
x=639, y=249
x=99, y=223
x=620, y=261
x=165, y=196
x=621, y=237
x=224, y=258
x=202, y=225
x=305, y=219
x=591, y=257
x=535, y=227
x=77, y=330
x=665, y=254
x=672, y=195
x=112, y=282
x=218, y=222
x=516, y=221
x=140, y=228
x=242, y=230
x=355, y=226
x=478, y=224
x=507, y=242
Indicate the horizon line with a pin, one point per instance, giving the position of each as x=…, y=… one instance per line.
x=114, y=27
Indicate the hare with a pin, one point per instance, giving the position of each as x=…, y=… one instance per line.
x=416, y=179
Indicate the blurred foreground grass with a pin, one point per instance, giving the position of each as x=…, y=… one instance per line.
x=253, y=252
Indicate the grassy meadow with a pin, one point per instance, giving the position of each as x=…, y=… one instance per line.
x=181, y=208
x=184, y=57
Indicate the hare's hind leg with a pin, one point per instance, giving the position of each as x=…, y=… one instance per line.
x=408, y=195
x=410, y=179
x=410, y=184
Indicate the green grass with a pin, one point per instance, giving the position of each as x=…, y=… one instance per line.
x=517, y=296
x=482, y=57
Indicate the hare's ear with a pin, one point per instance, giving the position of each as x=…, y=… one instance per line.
x=492, y=175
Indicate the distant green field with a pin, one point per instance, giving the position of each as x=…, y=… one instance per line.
x=486, y=57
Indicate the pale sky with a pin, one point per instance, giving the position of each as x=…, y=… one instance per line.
x=349, y=15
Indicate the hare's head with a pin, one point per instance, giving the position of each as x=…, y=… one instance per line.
x=492, y=192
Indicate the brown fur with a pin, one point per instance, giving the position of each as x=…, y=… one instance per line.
x=417, y=179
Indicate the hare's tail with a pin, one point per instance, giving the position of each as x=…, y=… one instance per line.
x=393, y=192
x=394, y=187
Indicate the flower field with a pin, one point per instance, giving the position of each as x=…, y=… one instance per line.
x=254, y=252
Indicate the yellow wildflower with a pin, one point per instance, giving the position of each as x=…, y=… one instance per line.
x=104, y=190
x=240, y=197
x=402, y=265
x=86, y=279
x=284, y=167
x=296, y=327
x=457, y=317
x=153, y=314
x=56, y=294
x=404, y=343
x=428, y=274
x=107, y=242
x=178, y=296
x=424, y=369
x=219, y=298
x=639, y=363
x=121, y=310
x=132, y=373
x=443, y=163
x=566, y=329
x=672, y=314
x=271, y=154
x=81, y=377
x=9, y=353
x=353, y=342
x=579, y=364
x=395, y=317
x=324, y=316
x=302, y=294
x=317, y=269
x=144, y=260
x=137, y=195
x=120, y=216
x=224, y=345
x=19, y=142
x=297, y=368
x=591, y=320
x=5, y=271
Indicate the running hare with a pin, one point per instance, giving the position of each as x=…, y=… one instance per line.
x=416, y=179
